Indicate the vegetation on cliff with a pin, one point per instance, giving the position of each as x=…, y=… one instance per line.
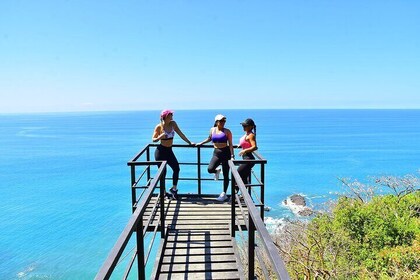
x=372, y=232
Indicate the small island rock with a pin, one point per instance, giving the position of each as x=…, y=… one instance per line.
x=306, y=212
x=297, y=199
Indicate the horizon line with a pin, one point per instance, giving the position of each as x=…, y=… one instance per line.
x=195, y=109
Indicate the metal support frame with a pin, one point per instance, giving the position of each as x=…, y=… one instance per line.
x=251, y=249
x=233, y=205
x=254, y=222
x=162, y=207
x=140, y=250
x=133, y=189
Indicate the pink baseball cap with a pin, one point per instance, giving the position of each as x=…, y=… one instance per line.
x=165, y=113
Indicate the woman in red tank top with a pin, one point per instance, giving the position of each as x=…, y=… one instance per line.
x=248, y=143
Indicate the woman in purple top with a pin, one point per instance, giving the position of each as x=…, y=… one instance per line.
x=223, y=151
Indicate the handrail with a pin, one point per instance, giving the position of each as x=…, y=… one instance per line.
x=116, y=252
x=256, y=221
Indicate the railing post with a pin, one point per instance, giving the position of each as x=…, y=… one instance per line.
x=140, y=250
x=262, y=191
x=199, y=169
x=251, y=248
x=148, y=159
x=162, y=207
x=232, y=208
x=133, y=189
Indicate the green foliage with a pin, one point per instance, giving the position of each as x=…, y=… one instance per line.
x=386, y=221
x=378, y=239
x=400, y=262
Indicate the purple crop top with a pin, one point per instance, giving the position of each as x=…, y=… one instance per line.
x=219, y=137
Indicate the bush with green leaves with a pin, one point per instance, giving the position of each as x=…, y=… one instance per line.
x=362, y=237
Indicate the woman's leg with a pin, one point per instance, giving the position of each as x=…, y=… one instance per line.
x=160, y=154
x=165, y=153
x=244, y=170
x=173, y=163
x=214, y=162
x=225, y=167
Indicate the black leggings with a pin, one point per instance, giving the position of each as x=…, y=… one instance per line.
x=166, y=153
x=221, y=156
x=245, y=169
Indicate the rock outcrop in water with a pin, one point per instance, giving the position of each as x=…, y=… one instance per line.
x=297, y=204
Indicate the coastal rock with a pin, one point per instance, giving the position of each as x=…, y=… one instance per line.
x=297, y=204
x=296, y=199
x=305, y=212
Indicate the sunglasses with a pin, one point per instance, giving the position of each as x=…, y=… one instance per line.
x=222, y=121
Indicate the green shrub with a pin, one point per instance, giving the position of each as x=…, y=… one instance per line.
x=374, y=239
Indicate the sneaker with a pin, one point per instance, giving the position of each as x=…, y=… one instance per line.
x=217, y=174
x=222, y=197
x=168, y=195
x=174, y=193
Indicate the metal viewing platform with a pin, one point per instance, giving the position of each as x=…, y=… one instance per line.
x=196, y=236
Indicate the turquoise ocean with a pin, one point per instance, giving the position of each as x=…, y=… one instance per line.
x=64, y=182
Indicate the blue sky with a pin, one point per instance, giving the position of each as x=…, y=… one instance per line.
x=139, y=55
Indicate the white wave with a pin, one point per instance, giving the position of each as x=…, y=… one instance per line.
x=26, y=271
x=317, y=196
x=296, y=209
x=274, y=225
x=31, y=132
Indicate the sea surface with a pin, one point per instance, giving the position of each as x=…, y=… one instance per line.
x=65, y=184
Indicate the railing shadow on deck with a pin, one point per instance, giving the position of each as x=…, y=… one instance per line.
x=144, y=187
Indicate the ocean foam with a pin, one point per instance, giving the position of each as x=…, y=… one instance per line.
x=274, y=225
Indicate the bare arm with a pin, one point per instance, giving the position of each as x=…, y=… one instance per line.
x=158, y=133
x=229, y=136
x=182, y=135
x=208, y=139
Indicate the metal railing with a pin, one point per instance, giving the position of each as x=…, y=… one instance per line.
x=254, y=221
x=135, y=224
x=198, y=163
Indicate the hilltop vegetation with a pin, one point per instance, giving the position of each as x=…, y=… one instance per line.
x=363, y=235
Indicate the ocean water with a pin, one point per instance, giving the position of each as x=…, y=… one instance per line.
x=64, y=182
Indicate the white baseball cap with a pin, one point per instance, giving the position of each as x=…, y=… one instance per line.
x=219, y=117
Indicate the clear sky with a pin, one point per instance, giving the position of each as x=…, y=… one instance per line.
x=90, y=55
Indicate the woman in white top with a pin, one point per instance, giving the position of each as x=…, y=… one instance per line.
x=165, y=132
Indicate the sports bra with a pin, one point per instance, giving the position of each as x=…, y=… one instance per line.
x=244, y=143
x=219, y=137
x=169, y=135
